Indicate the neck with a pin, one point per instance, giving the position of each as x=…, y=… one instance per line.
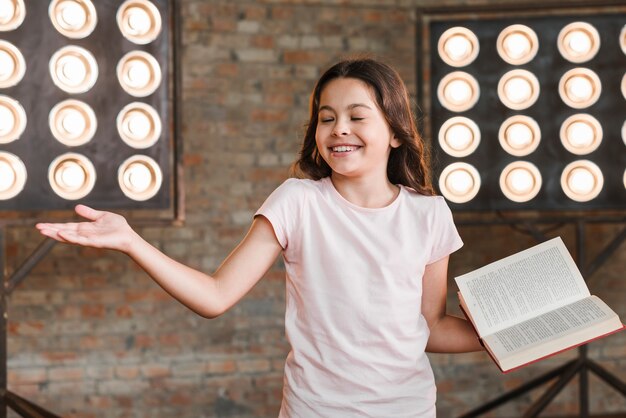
x=366, y=192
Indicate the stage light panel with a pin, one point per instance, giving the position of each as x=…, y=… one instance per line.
x=459, y=182
x=578, y=42
x=459, y=136
x=12, y=120
x=73, y=69
x=458, y=91
x=12, y=14
x=458, y=46
x=520, y=181
x=72, y=122
x=139, y=73
x=12, y=65
x=96, y=78
x=580, y=88
x=12, y=175
x=552, y=90
x=139, y=21
x=581, y=134
x=139, y=125
x=75, y=19
x=72, y=176
x=582, y=180
x=519, y=135
x=139, y=177
x=518, y=89
x=517, y=44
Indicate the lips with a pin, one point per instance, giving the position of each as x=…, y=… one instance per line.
x=344, y=148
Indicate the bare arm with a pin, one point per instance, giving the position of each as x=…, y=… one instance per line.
x=206, y=295
x=448, y=334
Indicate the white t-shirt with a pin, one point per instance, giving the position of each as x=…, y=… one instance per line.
x=354, y=288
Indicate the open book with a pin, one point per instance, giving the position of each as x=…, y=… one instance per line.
x=533, y=304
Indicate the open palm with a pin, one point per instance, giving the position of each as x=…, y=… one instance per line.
x=104, y=230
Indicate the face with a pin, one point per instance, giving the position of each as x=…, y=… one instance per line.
x=352, y=134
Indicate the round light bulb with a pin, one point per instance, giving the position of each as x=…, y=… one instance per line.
x=7, y=65
x=7, y=120
x=458, y=91
x=460, y=182
x=580, y=134
x=517, y=45
x=139, y=125
x=7, y=176
x=457, y=47
x=519, y=135
x=7, y=10
x=72, y=176
x=74, y=122
x=580, y=88
x=139, y=177
x=73, y=70
x=518, y=90
x=459, y=136
x=73, y=15
x=138, y=20
x=579, y=42
x=138, y=75
x=521, y=181
x=581, y=181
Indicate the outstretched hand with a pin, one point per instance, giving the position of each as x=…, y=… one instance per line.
x=105, y=230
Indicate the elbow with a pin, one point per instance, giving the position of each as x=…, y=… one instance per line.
x=211, y=312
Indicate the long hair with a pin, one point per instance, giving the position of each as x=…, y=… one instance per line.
x=408, y=164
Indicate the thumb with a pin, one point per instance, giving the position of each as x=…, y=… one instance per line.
x=87, y=212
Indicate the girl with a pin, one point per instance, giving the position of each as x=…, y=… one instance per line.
x=365, y=244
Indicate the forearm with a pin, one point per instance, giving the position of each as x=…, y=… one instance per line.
x=451, y=334
x=196, y=290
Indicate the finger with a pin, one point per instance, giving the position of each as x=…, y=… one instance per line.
x=87, y=212
x=52, y=234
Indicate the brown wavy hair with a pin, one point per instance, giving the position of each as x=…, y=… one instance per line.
x=409, y=163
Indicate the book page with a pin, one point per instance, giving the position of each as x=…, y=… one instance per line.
x=553, y=331
x=521, y=286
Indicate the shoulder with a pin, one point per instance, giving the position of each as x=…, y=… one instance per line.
x=424, y=201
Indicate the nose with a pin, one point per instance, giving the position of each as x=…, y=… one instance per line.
x=341, y=128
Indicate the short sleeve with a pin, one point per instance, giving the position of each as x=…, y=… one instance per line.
x=445, y=238
x=282, y=208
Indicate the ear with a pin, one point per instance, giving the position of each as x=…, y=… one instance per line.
x=395, y=142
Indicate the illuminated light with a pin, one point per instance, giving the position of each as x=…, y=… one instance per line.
x=458, y=91
x=520, y=181
x=624, y=86
x=582, y=180
x=12, y=14
x=517, y=44
x=459, y=182
x=139, y=177
x=139, y=73
x=72, y=122
x=624, y=132
x=12, y=175
x=72, y=176
x=518, y=89
x=12, y=120
x=459, y=136
x=12, y=65
x=578, y=42
x=458, y=46
x=139, y=21
x=580, y=88
x=73, y=69
x=624, y=178
x=75, y=19
x=581, y=134
x=622, y=39
x=519, y=135
x=139, y=125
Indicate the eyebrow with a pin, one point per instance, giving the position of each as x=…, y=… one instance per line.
x=350, y=107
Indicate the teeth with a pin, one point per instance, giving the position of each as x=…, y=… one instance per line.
x=343, y=148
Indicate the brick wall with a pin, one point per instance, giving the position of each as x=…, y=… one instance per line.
x=91, y=335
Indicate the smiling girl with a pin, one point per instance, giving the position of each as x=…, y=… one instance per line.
x=365, y=244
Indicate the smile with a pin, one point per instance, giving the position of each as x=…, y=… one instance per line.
x=344, y=148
